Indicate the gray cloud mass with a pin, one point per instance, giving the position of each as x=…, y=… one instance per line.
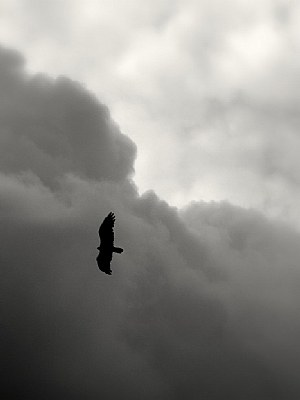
x=203, y=303
x=216, y=83
x=55, y=127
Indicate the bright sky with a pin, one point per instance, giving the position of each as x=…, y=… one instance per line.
x=207, y=90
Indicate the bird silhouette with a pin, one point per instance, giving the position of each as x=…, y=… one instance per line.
x=107, y=248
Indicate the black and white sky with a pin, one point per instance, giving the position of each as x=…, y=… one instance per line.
x=183, y=118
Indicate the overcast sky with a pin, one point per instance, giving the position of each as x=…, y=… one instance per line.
x=198, y=101
x=208, y=90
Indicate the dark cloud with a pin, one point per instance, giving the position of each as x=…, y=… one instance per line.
x=203, y=303
x=51, y=127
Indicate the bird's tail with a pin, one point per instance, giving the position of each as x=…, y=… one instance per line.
x=117, y=250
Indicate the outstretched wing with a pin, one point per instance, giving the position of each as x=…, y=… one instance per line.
x=106, y=230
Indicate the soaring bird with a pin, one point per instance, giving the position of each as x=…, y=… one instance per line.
x=107, y=248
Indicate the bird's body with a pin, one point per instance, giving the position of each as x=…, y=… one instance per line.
x=107, y=248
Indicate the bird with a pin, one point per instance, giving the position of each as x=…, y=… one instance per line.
x=107, y=248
